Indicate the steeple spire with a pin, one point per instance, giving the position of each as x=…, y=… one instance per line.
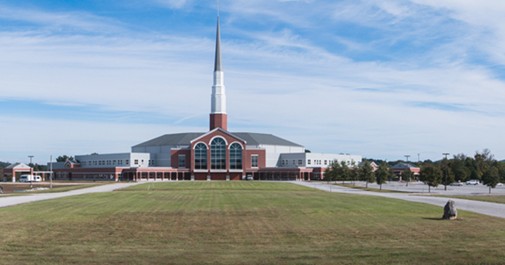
x=218, y=117
x=217, y=60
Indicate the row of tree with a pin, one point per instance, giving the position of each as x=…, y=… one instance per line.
x=481, y=167
x=340, y=171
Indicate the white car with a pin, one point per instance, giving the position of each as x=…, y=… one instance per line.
x=472, y=182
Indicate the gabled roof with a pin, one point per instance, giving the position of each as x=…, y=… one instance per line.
x=17, y=165
x=403, y=166
x=222, y=131
x=181, y=139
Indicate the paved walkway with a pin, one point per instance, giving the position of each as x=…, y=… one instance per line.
x=487, y=208
x=15, y=200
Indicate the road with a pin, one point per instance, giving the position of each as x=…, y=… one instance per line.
x=15, y=200
x=487, y=208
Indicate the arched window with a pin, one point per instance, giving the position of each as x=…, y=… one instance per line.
x=200, y=156
x=235, y=156
x=218, y=154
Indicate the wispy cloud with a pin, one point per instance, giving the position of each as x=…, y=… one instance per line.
x=371, y=77
x=60, y=21
x=173, y=4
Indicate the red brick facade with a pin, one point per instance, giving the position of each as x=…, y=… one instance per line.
x=218, y=120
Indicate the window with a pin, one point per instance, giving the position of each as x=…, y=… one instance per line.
x=127, y=162
x=136, y=162
x=235, y=156
x=300, y=162
x=254, y=161
x=218, y=154
x=308, y=161
x=182, y=161
x=200, y=156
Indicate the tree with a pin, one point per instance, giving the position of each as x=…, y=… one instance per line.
x=430, y=175
x=407, y=175
x=365, y=172
x=482, y=162
x=382, y=174
x=491, y=177
x=330, y=172
x=447, y=175
x=64, y=158
x=460, y=171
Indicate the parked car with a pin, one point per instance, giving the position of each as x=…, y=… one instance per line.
x=456, y=184
x=472, y=182
x=30, y=178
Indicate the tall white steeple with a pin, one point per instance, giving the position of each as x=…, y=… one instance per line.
x=218, y=117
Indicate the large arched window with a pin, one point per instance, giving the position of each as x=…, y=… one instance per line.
x=218, y=154
x=235, y=156
x=200, y=156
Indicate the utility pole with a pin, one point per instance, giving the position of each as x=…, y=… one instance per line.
x=51, y=172
x=31, y=157
x=407, y=157
x=446, y=169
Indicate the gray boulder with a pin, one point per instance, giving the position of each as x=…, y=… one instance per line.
x=450, y=212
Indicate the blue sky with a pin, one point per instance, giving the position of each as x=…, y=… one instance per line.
x=382, y=79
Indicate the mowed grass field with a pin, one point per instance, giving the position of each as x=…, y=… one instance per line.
x=484, y=198
x=242, y=223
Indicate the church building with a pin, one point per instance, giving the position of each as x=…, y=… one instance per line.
x=217, y=154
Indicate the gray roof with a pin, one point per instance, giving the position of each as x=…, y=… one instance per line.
x=403, y=166
x=181, y=139
x=172, y=139
x=265, y=139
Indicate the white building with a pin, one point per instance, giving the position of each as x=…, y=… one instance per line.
x=316, y=160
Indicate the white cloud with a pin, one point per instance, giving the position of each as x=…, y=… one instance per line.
x=174, y=4
x=60, y=20
x=277, y=78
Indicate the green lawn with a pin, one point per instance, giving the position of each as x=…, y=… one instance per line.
x=242, y=223
x=484, y=198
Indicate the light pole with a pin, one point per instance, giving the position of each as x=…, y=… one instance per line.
x=407, y=157
x=31, y=157
x=446, y=170
x=51, y=172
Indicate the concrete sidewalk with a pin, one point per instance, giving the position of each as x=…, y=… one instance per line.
x=487, y=208
x=15, y=200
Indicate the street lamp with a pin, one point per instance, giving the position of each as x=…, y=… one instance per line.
x=31, y=157
x=446, y=170
x=407, y=157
